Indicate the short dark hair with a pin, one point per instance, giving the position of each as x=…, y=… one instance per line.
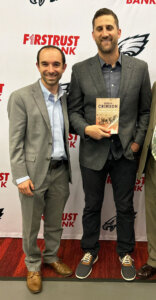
x=105, y=11
x=51, y=47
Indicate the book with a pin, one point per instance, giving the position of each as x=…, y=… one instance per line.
x=107, y=113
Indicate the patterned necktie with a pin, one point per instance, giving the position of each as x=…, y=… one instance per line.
x=154, y=144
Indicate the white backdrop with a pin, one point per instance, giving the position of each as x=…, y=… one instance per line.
x=27, y=25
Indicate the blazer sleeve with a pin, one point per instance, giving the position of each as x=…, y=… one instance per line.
x=148, y=138
x=17, y=129
x=144, y=105
x=76, y=104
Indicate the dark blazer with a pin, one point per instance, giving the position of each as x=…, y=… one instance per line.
x=149, y=135
x=87, y=84
x=30, y=138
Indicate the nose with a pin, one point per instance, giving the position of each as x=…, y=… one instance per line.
x=105, y=32
x=50, y=68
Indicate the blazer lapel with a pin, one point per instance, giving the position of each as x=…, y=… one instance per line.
x=126, y=73
x=65, y=114
x=39, y=99
x=97, y=76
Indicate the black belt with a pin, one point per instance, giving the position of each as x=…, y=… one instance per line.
x=54, y=164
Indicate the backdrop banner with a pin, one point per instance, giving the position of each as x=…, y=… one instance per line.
x=28, y=25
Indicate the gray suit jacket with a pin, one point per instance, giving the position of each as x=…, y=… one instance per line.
x=30, y=138
x=149, y=135
x=87, y=84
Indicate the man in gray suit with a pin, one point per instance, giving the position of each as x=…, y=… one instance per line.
x=109, y=74
x=39, y=155
x=148, y=157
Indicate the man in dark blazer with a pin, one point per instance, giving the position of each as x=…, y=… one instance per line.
x=40, y=163
x=147, y=157
x=109, y=74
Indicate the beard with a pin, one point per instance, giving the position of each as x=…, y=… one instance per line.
x=107, y=49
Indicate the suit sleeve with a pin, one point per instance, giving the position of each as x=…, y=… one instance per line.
x=145, y=98
x=148, y=138
x=76, y=105
x=17, y=129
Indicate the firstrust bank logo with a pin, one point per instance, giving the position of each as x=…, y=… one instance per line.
x=67, y=43
x=3, y=179
x=69, y=219
x=72, y=139
x=141, y=2
x=40, y=2
x=1, y=90
x=139, y=184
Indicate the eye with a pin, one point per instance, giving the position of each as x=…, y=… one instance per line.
x=99, y=28
x=44, y=64
x=109, y=27
x=57, y=64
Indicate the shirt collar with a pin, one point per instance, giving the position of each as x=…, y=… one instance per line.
x=47, y=93
x=103, y=63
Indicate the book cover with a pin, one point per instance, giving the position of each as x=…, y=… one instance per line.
x=107, y=113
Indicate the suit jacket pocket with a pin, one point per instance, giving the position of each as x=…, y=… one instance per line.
x=30, y=157
x=136, y=155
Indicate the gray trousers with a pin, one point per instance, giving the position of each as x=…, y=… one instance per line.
x=150, y=203
x=49, y=200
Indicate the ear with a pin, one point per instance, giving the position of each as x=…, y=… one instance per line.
x=93, y=35
x=64, y=67
x=37, y=66
x=119, y=33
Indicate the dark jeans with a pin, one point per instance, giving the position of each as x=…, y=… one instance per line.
x=123, y=176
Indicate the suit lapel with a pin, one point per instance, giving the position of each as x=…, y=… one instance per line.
x=126, y=73
x=40, y=102
x=97, y=76
x=152, y=122
x=65, y=114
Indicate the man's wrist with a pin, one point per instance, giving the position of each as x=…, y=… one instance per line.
x=22, y=179
x=86, y=131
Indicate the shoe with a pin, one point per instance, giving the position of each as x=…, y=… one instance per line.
x=34, y=281
x=146, y=271
x=128, y=271
x=60, y=268
x=84, y=268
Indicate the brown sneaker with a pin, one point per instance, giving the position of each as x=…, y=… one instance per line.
x=60, y=268
x=34, y=281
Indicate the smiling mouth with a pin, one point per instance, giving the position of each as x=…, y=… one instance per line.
x=51, y=77
x=106, y=40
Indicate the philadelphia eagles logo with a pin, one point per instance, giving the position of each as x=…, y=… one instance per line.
x=1, y=212
x=65, y=87
x=134, y=45
x=40, y=2
x=111, y=224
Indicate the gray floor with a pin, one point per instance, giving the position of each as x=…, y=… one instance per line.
x=63, y=290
